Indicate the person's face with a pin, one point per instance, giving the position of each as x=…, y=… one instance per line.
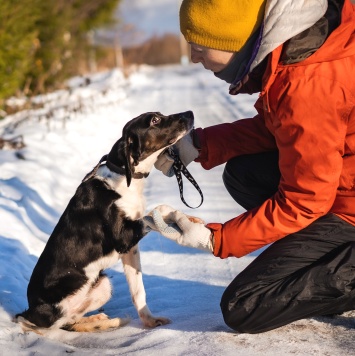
x=212, y=59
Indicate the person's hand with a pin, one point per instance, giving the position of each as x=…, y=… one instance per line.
x=186, y=151
x=183, y=229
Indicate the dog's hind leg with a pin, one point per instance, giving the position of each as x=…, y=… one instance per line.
x=98, y=322
x=99, y=294
x=133, y=271
x=95, y=298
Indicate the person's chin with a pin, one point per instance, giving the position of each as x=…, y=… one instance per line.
x=207, y=68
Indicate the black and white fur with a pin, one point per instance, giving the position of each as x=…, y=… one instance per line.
x=101, y=224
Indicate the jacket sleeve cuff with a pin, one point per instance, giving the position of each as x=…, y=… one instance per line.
x=217, y=234
x=199, y=142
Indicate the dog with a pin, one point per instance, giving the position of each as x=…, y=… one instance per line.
x=101, y=224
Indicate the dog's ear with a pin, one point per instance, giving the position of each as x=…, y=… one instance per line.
x=132, y=154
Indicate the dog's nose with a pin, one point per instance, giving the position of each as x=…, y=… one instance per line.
x=184, y=116
x=187, y=115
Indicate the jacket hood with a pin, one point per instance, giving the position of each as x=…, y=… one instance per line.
x=284, y=20
x=303, y=28
x=341, y=42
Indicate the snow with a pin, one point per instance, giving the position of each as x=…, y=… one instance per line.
x=65, y=138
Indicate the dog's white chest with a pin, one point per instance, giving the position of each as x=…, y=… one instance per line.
x=131, y=202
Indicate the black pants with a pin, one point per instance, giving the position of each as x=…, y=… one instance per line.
x=309, y=273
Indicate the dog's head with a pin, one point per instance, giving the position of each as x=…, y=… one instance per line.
x=148, y=134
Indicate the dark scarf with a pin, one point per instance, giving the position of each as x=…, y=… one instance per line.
x=240, y=63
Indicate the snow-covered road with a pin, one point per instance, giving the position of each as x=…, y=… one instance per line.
x=182, y=284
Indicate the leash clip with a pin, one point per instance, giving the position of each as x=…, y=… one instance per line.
x=179, y=168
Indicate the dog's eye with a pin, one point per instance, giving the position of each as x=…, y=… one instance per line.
x=155, y=120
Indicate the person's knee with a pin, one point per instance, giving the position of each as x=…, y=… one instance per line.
x=237, y=318
x=229, y=178
x=230, y=316
x=251, y=179
x=233, y=180
x=236, y=314
x=234, y=169
x=236, y=180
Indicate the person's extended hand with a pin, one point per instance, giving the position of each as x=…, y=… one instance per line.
x=186, y=151
x=183, y=229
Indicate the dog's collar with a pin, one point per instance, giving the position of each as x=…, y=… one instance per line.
x=122, y=170
x=112, y=167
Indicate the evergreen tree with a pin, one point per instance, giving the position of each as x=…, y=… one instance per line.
x=63, y=37
x=41, y=41
x=18, y=42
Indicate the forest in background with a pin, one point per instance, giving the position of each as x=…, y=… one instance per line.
x=44, y=42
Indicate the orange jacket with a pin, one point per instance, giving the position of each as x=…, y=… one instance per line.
x=306, y=111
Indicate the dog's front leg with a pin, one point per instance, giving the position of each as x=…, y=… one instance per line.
x=133, y=271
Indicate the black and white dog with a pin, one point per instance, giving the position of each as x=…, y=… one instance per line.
x=101, y=224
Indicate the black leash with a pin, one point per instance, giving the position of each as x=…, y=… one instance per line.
x=179, y=168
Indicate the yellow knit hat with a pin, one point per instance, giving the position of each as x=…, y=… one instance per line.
x=220, y=24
